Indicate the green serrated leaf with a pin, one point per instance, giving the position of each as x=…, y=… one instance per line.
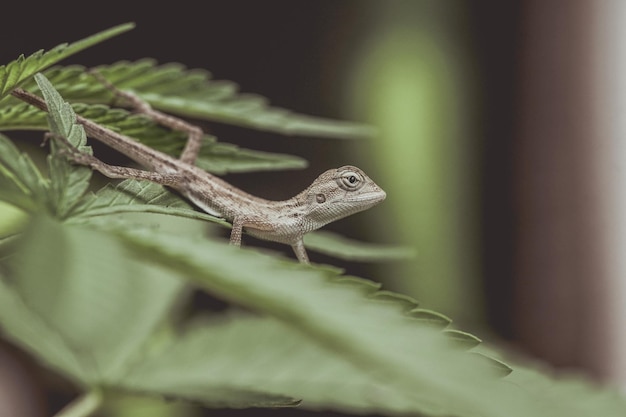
x=215, y=157
x=462, y=339
x=402, y=301
x=341, y=247
x=366, y=286
x=86, y=309
x=132, y=196
x=61, y=116
x=172, y=88
x=175, y=89
x=16, y=72
x=222, y=158
x=416, y=361
x=21, y=116
x=249, y=352
x=500, y=368
x=68, y=182
x=321, y=335
x=431, y=317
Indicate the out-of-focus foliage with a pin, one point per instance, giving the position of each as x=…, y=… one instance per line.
x=96, y=298
x=411, y=78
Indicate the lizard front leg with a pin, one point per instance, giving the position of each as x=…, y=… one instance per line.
x=300, y=251
x=113, y=171
x=237, y=231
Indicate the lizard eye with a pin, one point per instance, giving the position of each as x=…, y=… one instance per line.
x=320, y=198
x=350, y=180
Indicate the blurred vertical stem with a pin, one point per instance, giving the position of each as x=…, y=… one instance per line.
x=83, y=406
x=410, y=80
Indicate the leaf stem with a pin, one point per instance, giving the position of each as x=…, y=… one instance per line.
x=83, y=406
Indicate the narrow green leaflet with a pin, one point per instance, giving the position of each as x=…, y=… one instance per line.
x=134, y=196
x=132, y=192
x=341, y=247
x=222, y=158
x=16, y=115
x=61, y=116
x=68, y=182
x=216, y=157
x=192, y=92
x=16, y=72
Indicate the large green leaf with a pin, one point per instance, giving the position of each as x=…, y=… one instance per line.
x=100, y=304
x=263, y=352
x=88, y=310
x=254, y=351
x=87, y=304
x=216, y=157
x=175, y=89
x=373, y=334
x=16, y=72
x=338, y=246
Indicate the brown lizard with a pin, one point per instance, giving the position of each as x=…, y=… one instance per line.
x=333, y=195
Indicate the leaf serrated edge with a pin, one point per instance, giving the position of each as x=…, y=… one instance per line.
x=11, y=78
x=193, y=93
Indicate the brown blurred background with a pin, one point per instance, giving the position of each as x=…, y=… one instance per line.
x=501, y=144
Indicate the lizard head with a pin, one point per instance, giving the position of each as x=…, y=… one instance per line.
x=338, y=193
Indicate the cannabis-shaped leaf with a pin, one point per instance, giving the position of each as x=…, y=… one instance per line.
x=88, y=310
x=16, y=72
x=91, y=305
x=216, y=157
x=193, y=93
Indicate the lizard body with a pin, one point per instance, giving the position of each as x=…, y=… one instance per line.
x=335, y=194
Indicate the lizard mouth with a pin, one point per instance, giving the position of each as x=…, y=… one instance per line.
x=373, y=197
